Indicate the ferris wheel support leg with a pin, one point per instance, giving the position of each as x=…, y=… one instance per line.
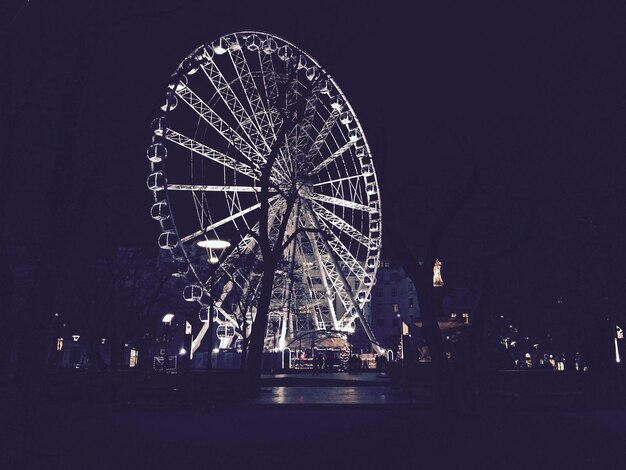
x=282, y=340
x=317, y=317
x=344, y=281
x=195, y=344
x=329, y=298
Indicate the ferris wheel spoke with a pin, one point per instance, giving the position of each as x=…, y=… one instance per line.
x=339, y=180
x=292, y=93
x=311, y=107
x=228, y=318
x=260, y=114
x=248, y=242
x=342, y=277
x=216, y=122
x=339, y=223
x=288, y=151
x=340, y=202
x=323, y=133
x=338, y=153
x=304, y=136
x=317, y=299
x=195, y=344
x=283, y=282
x=283, y=162
x=269, y=78
x=211, y=154
x=215, y=188
x=326, y=283
x=345, y=255
x=229, y=98
x=330, y=272
x=313, y=300
x=221, y=222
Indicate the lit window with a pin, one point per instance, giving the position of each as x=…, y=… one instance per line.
x=395, y=308
x=453, y=315
x=466, y=317
x=59, y=344
x=134, y=356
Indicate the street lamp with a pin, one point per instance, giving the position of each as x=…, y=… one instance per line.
x=214, y=249
x=167, y=321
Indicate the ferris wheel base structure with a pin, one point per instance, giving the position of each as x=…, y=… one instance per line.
x=256, y=141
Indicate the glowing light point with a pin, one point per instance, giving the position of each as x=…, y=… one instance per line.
x=437, y=279
x=214, y=244
x=167, y=318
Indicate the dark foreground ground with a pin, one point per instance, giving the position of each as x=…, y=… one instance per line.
x=79, y=436
x=308, y=426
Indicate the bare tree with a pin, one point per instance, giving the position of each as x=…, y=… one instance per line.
x=115, y=298
x=272, y=246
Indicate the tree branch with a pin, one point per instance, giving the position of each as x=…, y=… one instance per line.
x=297, y=232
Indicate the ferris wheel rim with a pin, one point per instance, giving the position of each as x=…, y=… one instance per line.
x=314, y=203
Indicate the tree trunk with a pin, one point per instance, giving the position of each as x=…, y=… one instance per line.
x=259, y=327
x=244, y=353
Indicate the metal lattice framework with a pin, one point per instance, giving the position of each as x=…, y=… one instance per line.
x=223, y=113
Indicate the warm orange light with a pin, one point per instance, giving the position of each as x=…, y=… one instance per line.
x=437, y=279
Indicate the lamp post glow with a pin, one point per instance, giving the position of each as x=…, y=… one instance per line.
x=214, y=249
x=167, y=321
x=618, y=336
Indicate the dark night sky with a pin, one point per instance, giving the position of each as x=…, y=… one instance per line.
x=534, y=96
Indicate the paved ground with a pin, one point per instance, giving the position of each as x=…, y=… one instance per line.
x=308, y=424
x=260, y=437
x=339, y=396
x=338, y=389
x=362, y=377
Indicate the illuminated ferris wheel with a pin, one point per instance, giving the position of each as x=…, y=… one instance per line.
x=223, y=113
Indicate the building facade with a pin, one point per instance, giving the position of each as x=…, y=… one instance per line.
x=394, y=300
